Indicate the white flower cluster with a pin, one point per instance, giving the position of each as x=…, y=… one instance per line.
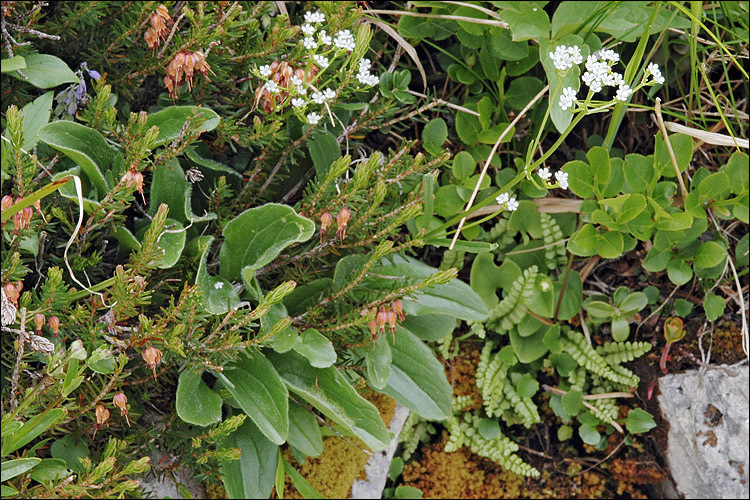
x=510, y=203
x=297, y=86
x=560, y=176
x=599, y=72
x=653, y=70
x=344, y=40
x=364, y=76
x=567, y=98
x=565, y=57
x=314, y=17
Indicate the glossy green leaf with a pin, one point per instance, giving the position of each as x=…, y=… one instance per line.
x=259, y=390
x=84, y=145
x=580, y=178
x=169, y=186
x=257, y=236
x=324, y=150
x=31, y=429
x=634, y=302
x=610, y=244
x=417, y=378
x=584, y=242
x=316, y=348
x=529, y=349
x=304, y=432
x=526, y=21
x=252, y=476
x=572, y=402
x=328, y=391
x=13, y=468
x=463, y=165
x=639, y=421
x=50, y=470
x=710, y=254
x=218, y=294
x=172, y=120
x=70, y=448
x=35, y=116
x=12, y=64
x=45, y=71
x=195, y=402
x=714, y=306
x=683, y=151
x=454, y=298
x=378, y=361
x=639, y=172
x=715, y=186
x=679, y=271
x=430, y=326
x=434, y=135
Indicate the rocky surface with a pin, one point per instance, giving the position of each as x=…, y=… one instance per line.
x=709, y=431
x=379, y=464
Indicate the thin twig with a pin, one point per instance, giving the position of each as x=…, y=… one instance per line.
x=21, y=343
x=489, y=159
x=489, y=22
x=665, y=136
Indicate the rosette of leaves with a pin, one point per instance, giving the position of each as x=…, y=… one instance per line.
x=623, y=308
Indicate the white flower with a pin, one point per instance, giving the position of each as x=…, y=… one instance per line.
x=561, y=58
x=623, y=93
x=502, y=199
x=544, y=173
x=654, y=70
x=265, y=71
x=313, y=118
x=512, y=205
x=218, y=285
x=318, y=97
x=575, y=54
x=609, y=55
x=567, y=98
x=314, y=17
x=309, y=43
x=321, y=61
x=329, y=94
x=308, y=29
x=272, y=86
x=295, y=80
x=298, y=102
x=562, y=179
x=324, y=38
x=301, y=90
x=367, y=79
x=344, y=40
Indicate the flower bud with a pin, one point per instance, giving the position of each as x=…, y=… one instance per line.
x=382, y=319
x=39, y=321
x=152, y=356
x=138, y=179
x=12, y=293
x=77, y=351
x=342, y=219
x=398, y=307
x=121, y=401
x=102, y=415
x=54, y=324
x=6, y=202
x=392, y=321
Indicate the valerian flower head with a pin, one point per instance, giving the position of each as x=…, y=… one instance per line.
x=544, y=173
x=568, y=98
x=565, y=57
x=562, y=179
x=653, y=70
x=265, y=71
x=623, y=93
x=344, y=40
x=313, y=118
x=308, y=29
x=314, y=17
x=309, y=43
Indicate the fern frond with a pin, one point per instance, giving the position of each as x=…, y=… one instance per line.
x=622, y=352
x=511, y=310
x=525, y=408
x=555, y=252
x=575, y=344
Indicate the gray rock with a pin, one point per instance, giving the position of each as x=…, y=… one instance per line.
x=167, y=487
x=709, y=431
x=379, y=464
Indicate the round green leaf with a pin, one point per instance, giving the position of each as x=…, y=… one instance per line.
x=709, y=254
x=714, y=306
x=196, y=403
x=316, y=348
